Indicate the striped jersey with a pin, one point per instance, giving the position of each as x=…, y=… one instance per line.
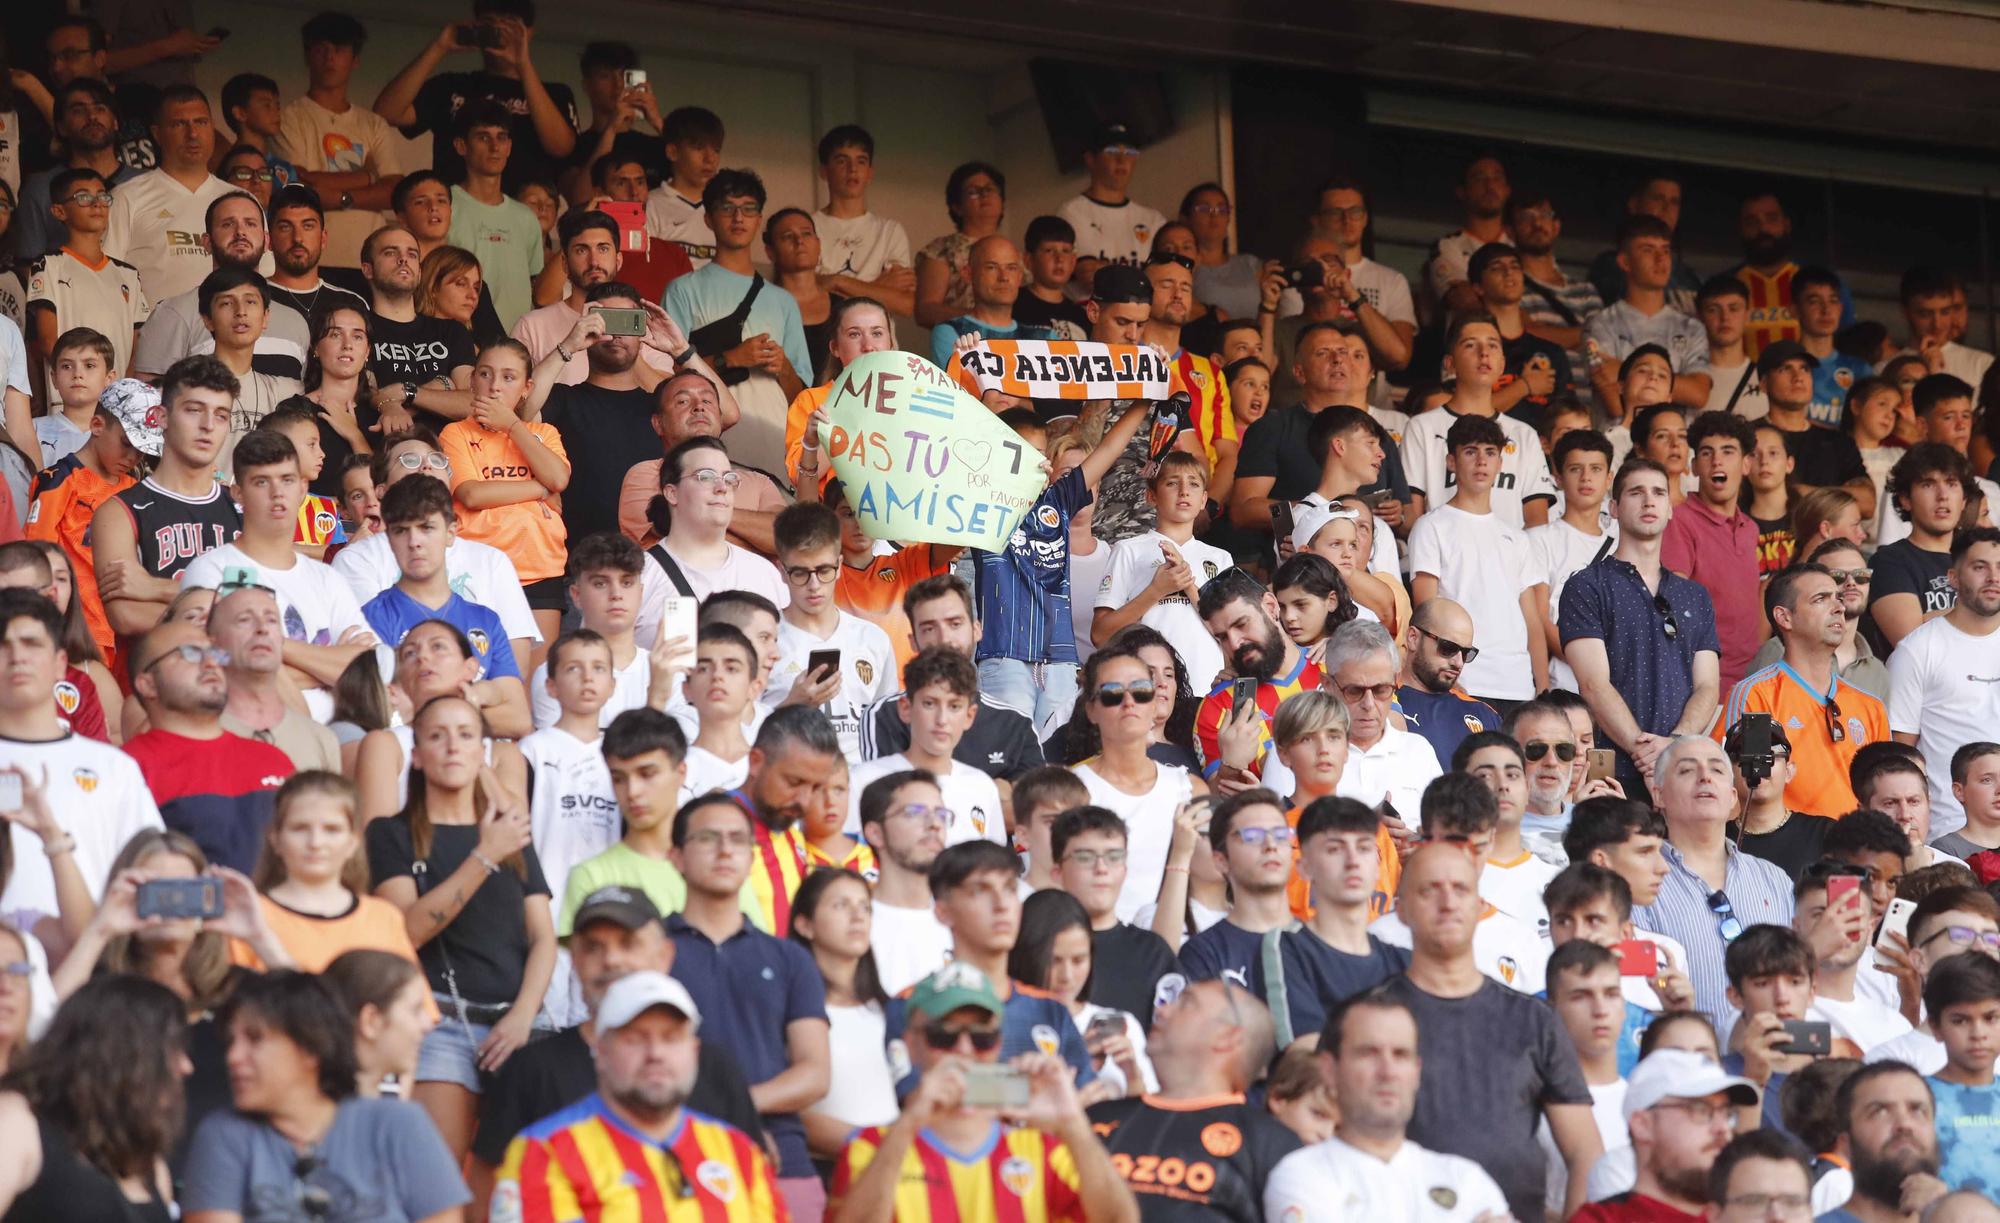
x=584, y=1165
x=1208, y=401
x=61, y=502
x=1811, y=719
x=319, y=522
x=1771, y=315
x=1015, y=1176
x=860, y=860
x=1304, y=676
x=778, y=866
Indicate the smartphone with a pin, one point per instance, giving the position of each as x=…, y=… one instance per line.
x=1107, y=1023
x=1839, y=887
x=631, y=218
x=1638, y=957
x=1895, y=921
x=200, y=897
x=622, y=322
x=1375, y=499
x=993, y=1086
x=1809, y=1036
x=1387, y=810
x=635, y=78
x=479, y=35
x=829, y=660
x=679, y=619
x=10, y=791
x=1600, y=766
x=1243, y=692
x=1281, y=519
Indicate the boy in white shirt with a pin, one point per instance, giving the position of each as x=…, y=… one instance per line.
x=902, y=819
x=692, y=136
x=84, y=363
x=573, y=809
x=1522, y=489
x=719, y=688
x=940, y=696
x=1156, y=578
x=1514, y=879
x=605, y=573
x=1839, y=934
x=1561, y=546
x=860, y=254
x=1464, y=551
x=1584, y=993
x=808, y=547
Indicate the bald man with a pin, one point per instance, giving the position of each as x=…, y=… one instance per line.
x=1496, y=1061
x=994, y=266
x=1436, y=647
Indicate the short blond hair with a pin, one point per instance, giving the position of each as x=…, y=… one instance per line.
x=1308, y=713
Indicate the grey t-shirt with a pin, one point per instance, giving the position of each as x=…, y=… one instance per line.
x=1493, y=1060
x=381, y=1162
x=1955, y=844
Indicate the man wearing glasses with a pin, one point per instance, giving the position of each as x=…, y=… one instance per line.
x=1680, y=1109
x=1387, y=766
x=1640, y=637
x=1436, y=647
x=1761, y=1175
x=813, y=626
x=86, y=123
x=904, y=820
x=1252, y=843
x=1949, y=922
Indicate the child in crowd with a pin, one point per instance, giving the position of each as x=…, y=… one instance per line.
x=940, y=697
x=1312, y=601
x=605, y=588
x=826, y=844
x=1962, y=998
x=574, y=811
x=646, y=755
x=1156, y=578
x=692, y=136
x=864, y=671
x=360, y=506
x=81, y=365
x=1975, y=783
x=1040, y=795
x=872, y=584
x=1767, y=498
x=1339, y=534
x=720, y=689
x=313, y=877
x=508, y=475
x=1579, y=535
x=125, y=428
x=319, y=517
x=1298, y=1095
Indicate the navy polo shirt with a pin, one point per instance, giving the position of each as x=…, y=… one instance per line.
x=749, y=988
x=1654, y=674
x=1444, y=719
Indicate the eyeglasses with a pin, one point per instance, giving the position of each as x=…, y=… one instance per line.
x=803, y=575
x=1535, y=749
x=739, y=210
x=314, y=1200
x=1111, y=696
x=84, y=199
x=1258, y=838
x=411, y=460
x=1352, y=213
x=245, y=174
x=923, y=813
x=1211, y=210
x=1450, y=648
x=943, y=1036
x=1089, y=858
x=710, y=476
x=1783, y=1205
x=710, y=839
x=1841, y=577
x=21, y=969
x=1535, y=214
x=978, y=192
x=1726, y=921
x=1701, y=1112
x=1667, y=621
x=193, y=655
x=1383, y=694
x=1965, y=936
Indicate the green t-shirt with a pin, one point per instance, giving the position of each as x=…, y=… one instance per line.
x=507, y=241
x=626, y=867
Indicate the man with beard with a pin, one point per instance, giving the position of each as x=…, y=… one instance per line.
x=1242, y=616
x=647, y=1059
x=422, y=366
x=1548, y=744
x=1483, y=191
x=1681, y=1110
x=1172, y=278
x=616, y=933
x=235, y=227
x=1888, y=1136
x=1941, y=689
x=1767, y=270
x=86, y=122
x=211, y=785
x=790, y=762
x=903, y=820
x=589, y=243
x=298, y=240
x=246, y=624
x=692, y=402
x=1640, y=637
x=1436, y=647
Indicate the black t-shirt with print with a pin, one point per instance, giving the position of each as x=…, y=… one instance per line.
x=1824, y=458
x=423, y=350
x=1902, y=568
x=444, y=95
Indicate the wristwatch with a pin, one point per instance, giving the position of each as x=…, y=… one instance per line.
x=1354, y=307
x=410, y=394
x=346, y=200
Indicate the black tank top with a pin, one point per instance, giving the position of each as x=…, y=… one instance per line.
x=75, y=1192
x=172, y=530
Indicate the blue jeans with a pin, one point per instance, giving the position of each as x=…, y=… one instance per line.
x=1044, y=691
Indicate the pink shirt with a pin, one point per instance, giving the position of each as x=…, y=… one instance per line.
x=540, y=330
x=1720, y=554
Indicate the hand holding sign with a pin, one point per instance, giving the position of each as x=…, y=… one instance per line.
x=921, y=460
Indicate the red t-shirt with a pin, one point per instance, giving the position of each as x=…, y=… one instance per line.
x=77, y=704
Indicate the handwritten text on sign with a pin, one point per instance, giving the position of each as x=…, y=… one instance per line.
x=1067, y=369
x=922, y=461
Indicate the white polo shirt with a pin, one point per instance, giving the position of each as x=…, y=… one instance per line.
x=1400, y=765
x=1332, y=1180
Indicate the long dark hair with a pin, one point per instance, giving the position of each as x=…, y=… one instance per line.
x=77, y=641
x=365, y=386
x=1044, y=915
x=1080, y=740
x=867, y=979
x=103, y=1074
x=416, y=805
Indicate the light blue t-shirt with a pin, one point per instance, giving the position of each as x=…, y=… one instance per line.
x=507, y=241
x=1968, y=1135
x=381, y=1160
x=713, y=292
x=14, y=352
x=944, y=336
x=1831, y=381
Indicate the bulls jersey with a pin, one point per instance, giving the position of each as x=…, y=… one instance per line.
x=1193, y=1159
x=172, y=530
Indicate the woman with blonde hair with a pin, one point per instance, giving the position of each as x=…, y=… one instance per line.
x=448, y=287
x=1827, y=513
x=313, y=876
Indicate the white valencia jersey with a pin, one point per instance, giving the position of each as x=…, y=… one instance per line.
x=1504, y=949
x=970, y=794
x=1332, y=1180
x=867, y=672
x=1524, y=470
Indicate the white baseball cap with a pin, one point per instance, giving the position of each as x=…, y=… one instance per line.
x=1681, y=1074
x=1309, y=521
x=633, y=995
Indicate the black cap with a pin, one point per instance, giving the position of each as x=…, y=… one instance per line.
x=1120, y=282
x=1112, y=135
x=1632, y=358
x=621, y=906
x=1486, y=255
x=1778, y=352
x=296, y=195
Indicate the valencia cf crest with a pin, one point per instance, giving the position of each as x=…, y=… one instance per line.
x=1445, y=1196
x=1018, y=1175
x=86, y=780
x=1221, y=1139
x=1048, y=517
x=1045, y=1039
x=865, y=670
x=1508, y=971
x=716, y=1177
x=479, y=640
x=323, y=522
x=68, y=697
x=1473, y=724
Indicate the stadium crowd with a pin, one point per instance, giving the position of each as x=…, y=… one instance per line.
x=1515, y=745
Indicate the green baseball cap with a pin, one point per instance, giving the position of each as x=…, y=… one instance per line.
x=952, y=988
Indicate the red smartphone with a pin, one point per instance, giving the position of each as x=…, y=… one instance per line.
x=1638, y=957
x=631, y=218
x=1839, y=888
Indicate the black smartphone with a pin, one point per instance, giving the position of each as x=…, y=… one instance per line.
x=181, y=898
x=1387, y=810
x=828, y=659
x=1809, y=1036
x=1107, y=1023
x=478, y=34
x=1281, y=519
x=1243, y=692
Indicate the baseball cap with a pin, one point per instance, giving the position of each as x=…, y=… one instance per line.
x=1112, y=136
x=1117, y=282
x=1307, y=522
x=1644, y=350
x=950, y=988
x=1680, y=1074
x=621, y=906
x=1778, y=352
x=1486, y=255
x=633, y=995
x=296, y=195
x=136, y=406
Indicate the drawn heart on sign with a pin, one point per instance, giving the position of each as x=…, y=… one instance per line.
x=973, y=454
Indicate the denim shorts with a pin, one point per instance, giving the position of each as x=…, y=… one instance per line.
x=447, y=1054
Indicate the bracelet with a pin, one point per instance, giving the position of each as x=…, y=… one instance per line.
x=1171, y=869
x=567, y=357
x=1354, y=307
x=492, y=867
x=680, y=358
x=56, y=849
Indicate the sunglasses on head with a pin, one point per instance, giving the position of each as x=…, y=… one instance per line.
x=944, y=1036
x=1535, y=749
x=1111, y=696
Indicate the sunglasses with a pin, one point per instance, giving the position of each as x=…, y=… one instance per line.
x=944, y=1037
x=1111, y=696
x=1726, y=921
x=1535, y=749
x=1671, y=626
x=1451, y=649
x=1841, y=577
x=1833, y=724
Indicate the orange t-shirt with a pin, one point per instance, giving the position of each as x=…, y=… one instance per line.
x=803, y=406
x=61, y=502
x=875, y=592
x=1298, y=890
x=373, y=924
x=531, y=533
